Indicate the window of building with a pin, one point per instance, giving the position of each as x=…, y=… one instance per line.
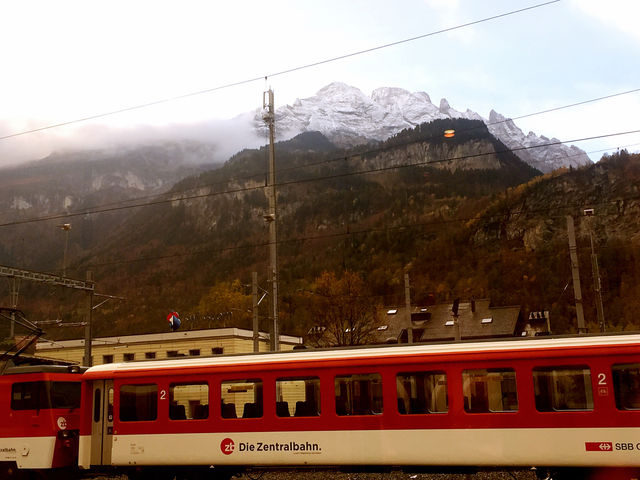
x=129, y=357
x=298, y=397
x=172, y=353
x=149, y=355
x=138, y=403
x=563, y=388
x=107, y=358
x=422, y=392
x=489, y=390
x=188, y=401
x=217, y=351
x=241, y=398
x=359, y=394
x=626, y=384
x=194, y=352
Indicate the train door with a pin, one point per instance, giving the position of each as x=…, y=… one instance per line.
x=102, y=422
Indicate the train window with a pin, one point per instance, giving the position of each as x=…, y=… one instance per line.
x=97, y=395
x=65, y=394
x=188, y=401
x=422, y=392
x=110, y=404
x=28, y=396
x=626, y=384
x=298, y=397
x=563, y=388
x=489, y=390
x=45, y=394
x=138, y=403
x=241, y=398
x=358, y=394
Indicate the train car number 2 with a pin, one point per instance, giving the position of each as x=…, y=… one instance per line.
x=603, y=386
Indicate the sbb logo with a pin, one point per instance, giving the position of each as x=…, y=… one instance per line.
x=227, y=446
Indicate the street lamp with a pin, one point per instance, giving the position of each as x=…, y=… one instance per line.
x=66, y=227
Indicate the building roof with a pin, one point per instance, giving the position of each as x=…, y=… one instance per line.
x=477, y=319
x=216, y=333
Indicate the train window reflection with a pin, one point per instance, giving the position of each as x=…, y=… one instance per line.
x=563, y=388
x=489, y=390
x=358, y=394
x=422, y=392
x=241, y=398
x=298, y=397
x=138, y=403
x=188, y=401
x=626, y=384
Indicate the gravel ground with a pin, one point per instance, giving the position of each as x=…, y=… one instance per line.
x=394, y=475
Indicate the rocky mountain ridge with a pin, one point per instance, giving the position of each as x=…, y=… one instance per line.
x=348, y=117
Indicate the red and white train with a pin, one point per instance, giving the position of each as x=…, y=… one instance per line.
x=558, y=403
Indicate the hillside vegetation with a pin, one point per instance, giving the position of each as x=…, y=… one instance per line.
x=464, y=217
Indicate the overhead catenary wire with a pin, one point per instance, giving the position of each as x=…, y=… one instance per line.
x=281, y=170
x=350, y=232
x=274, y=74
x=175, y=198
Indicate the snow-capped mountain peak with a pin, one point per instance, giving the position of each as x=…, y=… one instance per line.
x=347, y=116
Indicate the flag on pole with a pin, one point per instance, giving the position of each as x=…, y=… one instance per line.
x=174, y=321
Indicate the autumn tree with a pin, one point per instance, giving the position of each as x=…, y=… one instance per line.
x=225, y=304
x=343, y=308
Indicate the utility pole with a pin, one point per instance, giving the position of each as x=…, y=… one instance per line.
x=597, y=284
x=268, y=115
x=254, y=296
x=407, y=306
x=15, y=285
x=575, y=271
x=88, y=339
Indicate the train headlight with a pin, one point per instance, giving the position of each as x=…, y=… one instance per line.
x=67, y=437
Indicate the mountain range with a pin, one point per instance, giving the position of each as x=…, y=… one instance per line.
x=348, y=117
x=166, y=228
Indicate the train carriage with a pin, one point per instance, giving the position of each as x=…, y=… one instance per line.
x=560, y=402
x=40, y=419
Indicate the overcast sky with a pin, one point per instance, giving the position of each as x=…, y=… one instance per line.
x=67, y=60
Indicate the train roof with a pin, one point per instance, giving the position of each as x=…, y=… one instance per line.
x=22, y=369
x=526, y=346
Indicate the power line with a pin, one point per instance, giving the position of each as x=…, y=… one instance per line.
x=307, y=180
x=274, y=74
x=342, y=157
x=351, y=233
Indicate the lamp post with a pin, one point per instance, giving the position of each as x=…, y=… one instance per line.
x=66, y=227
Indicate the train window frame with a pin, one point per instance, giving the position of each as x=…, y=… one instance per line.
x=553, y=396
x=142, y=393
x=248, y=409
x=308, y=405
x=625, y=388
x=179, y=410
x=485, y=401
x=352, y=399
x=415, y=392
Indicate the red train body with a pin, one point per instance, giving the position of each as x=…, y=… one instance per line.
x=39, y=418
x=553, y=402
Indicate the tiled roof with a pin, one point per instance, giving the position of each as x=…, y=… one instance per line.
x=437, y=322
